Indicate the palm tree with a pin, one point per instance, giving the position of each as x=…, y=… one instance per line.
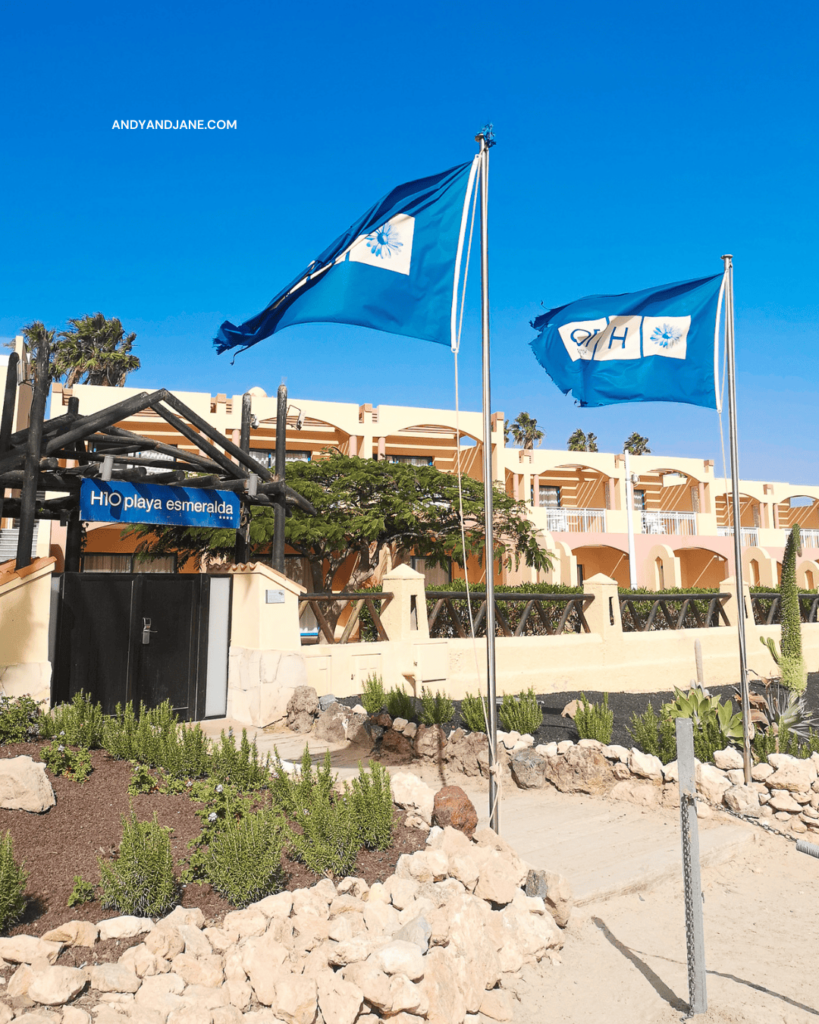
x=94, y=351
x=525, y=432
x=636, y=445
x=581, y=442
x=36, y=334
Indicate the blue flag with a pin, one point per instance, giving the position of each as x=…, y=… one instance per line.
x=395, y=269
x=657, y=345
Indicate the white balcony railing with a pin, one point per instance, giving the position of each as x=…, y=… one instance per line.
x=682, y=523
x=8, y=543
x=576, y=520
x=748, y=534
x=809, y=538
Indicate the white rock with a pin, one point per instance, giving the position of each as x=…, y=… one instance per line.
x=647, y=766
x=711, y=783
x=116, y=978
x=508, y=739
x=339, y=1001
x=411, y=793
x=56, y=985
x=728, y=758
x=547, y=749
x=736, y=776
x=742, y=800
x=279, y=905
x=410, y=729
x=124, y=927
x=399, y=957
x=24, y=785
x=433, y=834
x=671, y=772
x=401, y=891
x=614, y=752
x=25, y=949
x=184, y=915
x=783, y=801
x=760, y=772
x=399, y=724
x=590, y=744
x=793, y=775
x=359, y=709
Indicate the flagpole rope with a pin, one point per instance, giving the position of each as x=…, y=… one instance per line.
x=458, y=470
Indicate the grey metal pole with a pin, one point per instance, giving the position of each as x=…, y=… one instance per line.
x=281, y=461
x=736, y=516
x=489, y=509
x=242, y=547
x=31, y=470
x=632, y=557
x=694, y=930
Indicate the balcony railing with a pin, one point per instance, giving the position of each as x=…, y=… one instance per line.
x=576, y=520
x=809, y=538
x=748, y=534
x=682, y=523
x=8, y=543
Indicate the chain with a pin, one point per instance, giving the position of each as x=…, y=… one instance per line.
x=761, y=823
x=687, y=807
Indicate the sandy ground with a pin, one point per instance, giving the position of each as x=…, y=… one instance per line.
x=624, y=959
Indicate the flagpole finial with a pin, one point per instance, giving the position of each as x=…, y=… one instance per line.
x=727, y=256
x=486, y=135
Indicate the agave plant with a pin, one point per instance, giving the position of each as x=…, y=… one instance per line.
x=697, y=704
x=780, y=707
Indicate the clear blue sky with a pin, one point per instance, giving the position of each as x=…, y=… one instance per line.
x=637, y=142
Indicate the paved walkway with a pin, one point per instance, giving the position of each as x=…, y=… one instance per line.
x=604, y=848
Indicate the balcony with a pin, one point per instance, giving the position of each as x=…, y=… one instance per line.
x=576, y=520
x=679, y=523
x=8, y=543
x=809, y=538
x=748, y=534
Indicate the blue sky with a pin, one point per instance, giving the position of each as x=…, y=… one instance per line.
x=636, y=144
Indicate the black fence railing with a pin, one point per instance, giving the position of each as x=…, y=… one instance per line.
x=328, y=608
x=648, y=612
x=767, y=608
x=515, y=614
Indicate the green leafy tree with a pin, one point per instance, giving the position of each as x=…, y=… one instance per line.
x=581, y=442
x=363, y=507
x=525, y=431
x=636, y=444
x=94, y=350
x=789, y=656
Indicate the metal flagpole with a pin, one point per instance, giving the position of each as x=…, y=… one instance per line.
x=485, y=140
x=632, y=558
x=736, y=516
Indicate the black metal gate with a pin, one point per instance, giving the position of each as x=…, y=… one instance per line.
x=138, y=637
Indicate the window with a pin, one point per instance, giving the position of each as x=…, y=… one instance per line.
x=549, y=497
x=297, y=456
x=104, y=562
x=434, y=575
x=640, y=501
x=267, y=456
x=412, y=460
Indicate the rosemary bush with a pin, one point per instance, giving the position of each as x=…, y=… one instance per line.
x=401, y=705
x=20, y=719
x=83, y=892
x=81, y=722
x=373, y=696
x=594, y=721
x=370, y=799
x=654, y=734
x=240, y=766
x=472, y=713
x=437, y=710
x=522, y=713
x=155, y=738
x=141, y=880
x=13, y=880
x=74, y=764
x=244, y=857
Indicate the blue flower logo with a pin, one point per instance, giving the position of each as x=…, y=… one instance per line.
x=384, y=241
x=666, y=336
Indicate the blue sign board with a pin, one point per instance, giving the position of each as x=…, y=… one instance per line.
x=116, y=502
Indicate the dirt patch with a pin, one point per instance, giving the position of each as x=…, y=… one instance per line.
x=86, y=824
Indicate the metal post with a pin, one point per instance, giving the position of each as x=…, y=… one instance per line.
x=281, y=461
x=242, y=548
x=73, y=544
x=694, y=931
x=736, y=515
x=489, y=510
x=7, y=416
x=632, y=558
x=31, y=471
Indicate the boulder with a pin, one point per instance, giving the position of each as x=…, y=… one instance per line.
x=411, y=793
x=302, y=708
x=454, y=808
x=795, y=776
x=332, y=724
x=116, y=978
x=200, y=970
x=124, y=927
x=570, y=710
x=711, y=783
x=418, y=931
x=25, y=949
x=644, y=794
x=728, y=759
x=508, y=739
x=164, y=941
x=497, y=1005
x=547, y=749
x=24, y=785
x=394, y=743
x=399, y=957
x=74, y=933
x=56, y=985
x=760, y=772
x=564, y=745
x=579, y=770
x=464, y=749
x=296, y=999
x=614, y=752
x=783, y=801
x=742, y=800
x=528, y=769
x=430, y=741
x=646, y=766
x=338, y=1000
x=555, y=892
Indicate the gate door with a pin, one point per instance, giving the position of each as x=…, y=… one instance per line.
x=141, y=637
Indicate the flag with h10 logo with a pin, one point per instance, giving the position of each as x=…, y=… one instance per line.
x=657, y=345
x=395, y=269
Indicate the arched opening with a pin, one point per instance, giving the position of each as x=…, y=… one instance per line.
x=810, y=582
x=660, y=568
x=593, y=559
x=754, y=581
x=700, y=567
x=432, y=444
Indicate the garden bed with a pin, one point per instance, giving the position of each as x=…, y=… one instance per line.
x=86, y=823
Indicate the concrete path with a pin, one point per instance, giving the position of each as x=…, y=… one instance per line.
x=604, y=848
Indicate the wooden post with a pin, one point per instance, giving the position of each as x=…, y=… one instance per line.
x=242, y=549
x=31, y=469
x=281, y=460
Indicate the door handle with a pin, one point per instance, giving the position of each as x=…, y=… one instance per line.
x=146, y=631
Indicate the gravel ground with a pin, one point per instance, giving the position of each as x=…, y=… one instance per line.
x=624, y=705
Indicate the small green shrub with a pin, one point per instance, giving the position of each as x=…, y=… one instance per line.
x=83, y=892
x=60, y=760
x=370, y=798
x=294, y=793
x=141, y=780
x=401, y=705
x=141, y=880
x=243, y=861
x=594, y=721
x=20, y=719
x=437, y=710
x=241, y=767
x=81, y=722
x=522, y=713
x=373, y=697
x=155, y=738
x=472, y=713
x=13, y=880
x=654, y=734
